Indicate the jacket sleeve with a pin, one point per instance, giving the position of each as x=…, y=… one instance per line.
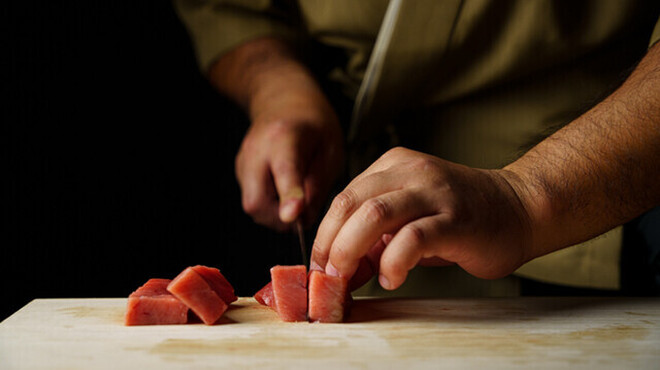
x=217, y=26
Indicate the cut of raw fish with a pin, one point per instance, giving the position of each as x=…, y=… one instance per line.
x=328, y=297
x=199, y=295
x=152, y=304
x=265, y=296
x=218, y=282
x=290, y=292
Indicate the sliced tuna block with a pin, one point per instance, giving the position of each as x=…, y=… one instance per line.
x=328, y=298
x=290, y=292
x=218, y=282
x=265, y=296
x=152, y=304
x=193, y=290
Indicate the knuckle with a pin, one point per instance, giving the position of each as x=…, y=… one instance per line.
x=277, y=128
x=250, y=205
x=394, y=152
x=343, y=205
x=283, y=166
x=253, y=203
x=415, y=235
x=282, y=129
x=318, y=252
x=425, y=164
x=338, y=253
x=375, y=211
x=451, y=215
x=249, y=144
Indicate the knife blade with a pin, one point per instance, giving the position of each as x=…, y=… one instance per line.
x=366, y=91
x=301, y=240
x=372, y=74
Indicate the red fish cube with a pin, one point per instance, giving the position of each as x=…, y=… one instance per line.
x=328, y=298
x=199, y=295
x=218, y=282
x=152, y=304
x=290, y=292
x=265, y=296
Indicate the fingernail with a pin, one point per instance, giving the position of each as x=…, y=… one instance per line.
x=384, y=282
x=289, y=202
x=314, y=266
x=287, y=212
x=331, y=270
x=295, y=193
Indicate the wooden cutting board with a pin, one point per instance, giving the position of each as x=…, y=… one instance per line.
x=381, y=333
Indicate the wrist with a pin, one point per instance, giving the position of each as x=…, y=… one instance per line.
x=287, y=85
x=240, y=73
x=263, y=72
x=536, y=210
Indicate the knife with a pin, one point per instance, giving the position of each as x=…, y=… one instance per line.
x=365, y=94
x=301, y=240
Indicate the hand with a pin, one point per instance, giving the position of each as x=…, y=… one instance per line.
x=438, y=212
x=289, y=158
x=293, y=150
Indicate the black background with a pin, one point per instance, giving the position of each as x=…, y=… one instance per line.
x=117, y=157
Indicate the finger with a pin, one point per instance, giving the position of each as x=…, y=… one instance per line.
x=415, y=241
x=376, y=216
x=258, y=196
x=289, y=186
x=377, y=179
x=287, y=167
x=369, y=264
x=343, y=206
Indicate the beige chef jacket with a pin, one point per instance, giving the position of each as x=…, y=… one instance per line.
x=474, y=81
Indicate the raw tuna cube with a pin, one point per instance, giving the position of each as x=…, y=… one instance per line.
x=265, y=296
x=152, y=304
x=218, y=282
x=327, y=297
x=193, y=290
x=290, y=292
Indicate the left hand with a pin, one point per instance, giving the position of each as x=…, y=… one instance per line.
x=438, y=212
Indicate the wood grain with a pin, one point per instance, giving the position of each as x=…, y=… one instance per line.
x=381, y=333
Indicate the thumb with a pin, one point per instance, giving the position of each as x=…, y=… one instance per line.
x=287, y=171
x=291, y=204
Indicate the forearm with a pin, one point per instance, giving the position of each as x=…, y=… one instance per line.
x=600, y=171
x=262, y=71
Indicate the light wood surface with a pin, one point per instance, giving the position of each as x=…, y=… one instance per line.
x=598, y=333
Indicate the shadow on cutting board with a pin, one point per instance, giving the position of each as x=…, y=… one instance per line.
x=466, y=310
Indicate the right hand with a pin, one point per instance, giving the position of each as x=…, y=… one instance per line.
x=290, y=157
x=293, y=150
